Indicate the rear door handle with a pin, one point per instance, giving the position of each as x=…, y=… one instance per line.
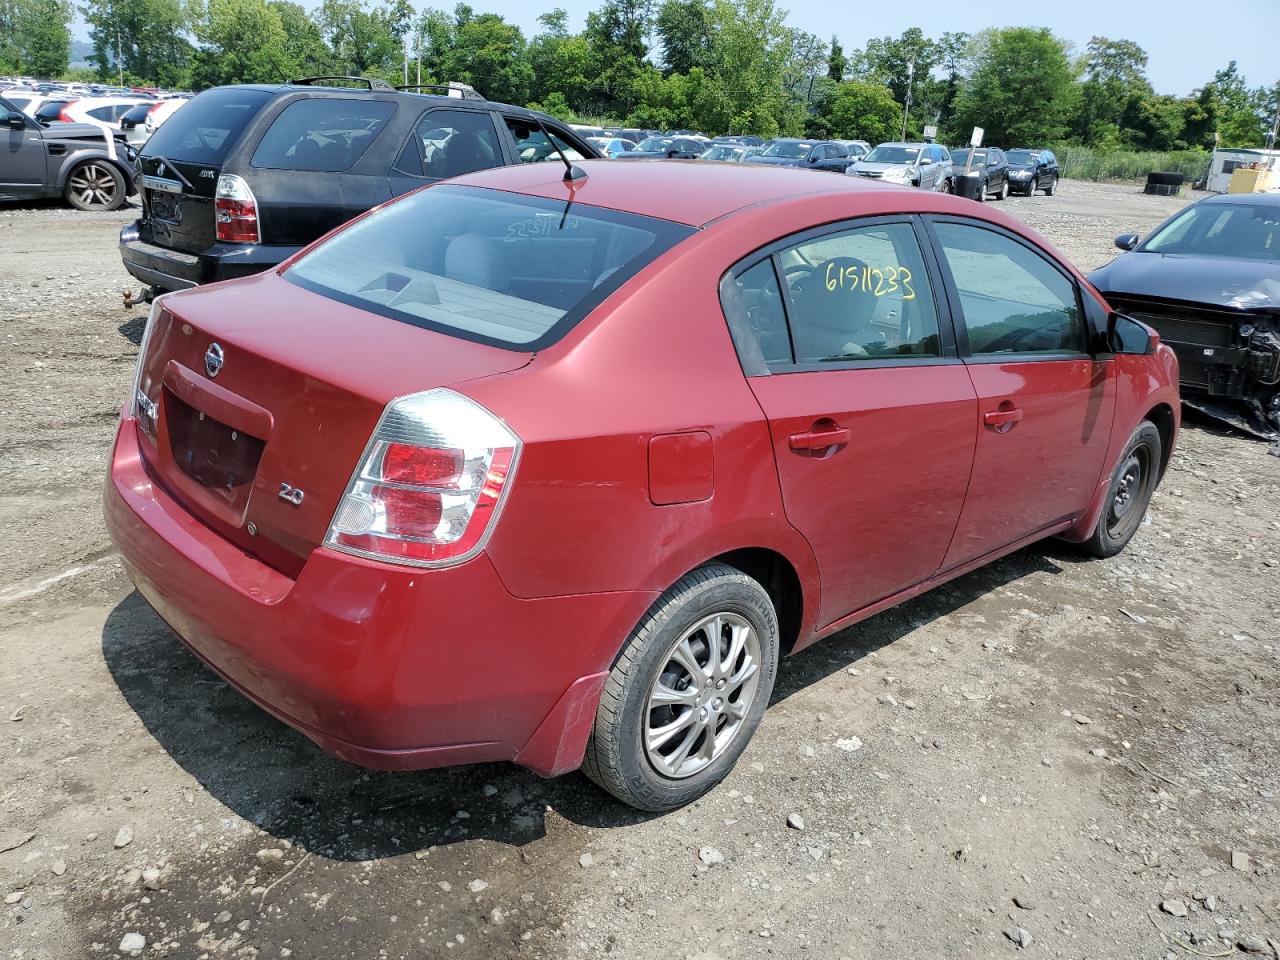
x=820, y=439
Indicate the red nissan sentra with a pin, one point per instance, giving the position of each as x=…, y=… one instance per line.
x=524, y=468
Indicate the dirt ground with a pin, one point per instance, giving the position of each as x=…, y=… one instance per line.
x=1058, y=758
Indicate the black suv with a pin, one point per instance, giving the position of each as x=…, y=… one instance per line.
x=1032, y=170
x=243, y=177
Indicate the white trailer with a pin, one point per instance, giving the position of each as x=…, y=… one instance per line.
x=1225, y=162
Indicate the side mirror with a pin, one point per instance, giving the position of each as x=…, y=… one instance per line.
x=1127, y=335
x=1127, y=241
x=15, y=120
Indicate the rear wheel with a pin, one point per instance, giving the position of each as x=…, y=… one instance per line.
x=95, y=185
x=1052, y=188
x=1003, y=192
x=687, y=692
x=982, y=192
x=1132, y=484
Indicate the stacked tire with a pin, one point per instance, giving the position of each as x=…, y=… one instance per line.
x=1163, y=184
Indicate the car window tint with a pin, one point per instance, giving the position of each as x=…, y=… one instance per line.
x=51, y=110
x=449, y=143
x=860, y=294
x=753, y=306
x=1012, y=299
x=208, y=126
x=323, y=134
x=532, y=145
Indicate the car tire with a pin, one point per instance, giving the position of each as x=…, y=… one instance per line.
x=1052, y=188
x=1132, y=483
x=1003, y=192
x=948, y=186
x=982, y=192
x=652, y=687
x=95, y=185
x=1033, y=187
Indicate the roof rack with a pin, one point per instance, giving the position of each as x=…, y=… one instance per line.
x=452, y=89
x=369, y=82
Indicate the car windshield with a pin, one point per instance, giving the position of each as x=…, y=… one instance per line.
x=1021, y=157
x=1240, y=231
x=961, y=156
x=790, y=149
x=501, y=268
x=654, y=144
x=893, y=155
x=721, y=153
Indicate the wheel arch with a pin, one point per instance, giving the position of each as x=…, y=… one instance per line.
x=74, y=160
x=1163, y=417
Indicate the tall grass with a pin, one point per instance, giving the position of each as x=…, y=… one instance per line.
x=1086, y=163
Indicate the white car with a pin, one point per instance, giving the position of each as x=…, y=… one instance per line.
x=28, y=101
x=104, y=112
x=162, y=111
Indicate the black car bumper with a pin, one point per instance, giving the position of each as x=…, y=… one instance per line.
x=174, y=270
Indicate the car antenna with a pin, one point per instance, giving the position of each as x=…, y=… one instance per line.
x=571, y=173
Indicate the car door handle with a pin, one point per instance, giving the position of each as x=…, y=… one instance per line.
x=819, y=439
x=1003, y=419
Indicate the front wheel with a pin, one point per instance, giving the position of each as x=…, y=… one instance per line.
x=1132, y=484
x=687, y=691
x=948, y=186
x=95, y=185
x=1035, y=185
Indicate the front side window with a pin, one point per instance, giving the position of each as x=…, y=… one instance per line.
x=861, y=294
x=507, y=269
x=1012, y=299
x=532, y=145
x=449, y=143
x=322, y=134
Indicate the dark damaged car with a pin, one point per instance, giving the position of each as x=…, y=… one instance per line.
x=1208, y=280
x=75, y=161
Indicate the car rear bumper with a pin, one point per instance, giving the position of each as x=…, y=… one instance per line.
x=169, y=269
x=384, y=666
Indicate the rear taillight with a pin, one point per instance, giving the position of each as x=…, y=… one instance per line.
x=430, y=483
x=143, y=406
x=235, y=211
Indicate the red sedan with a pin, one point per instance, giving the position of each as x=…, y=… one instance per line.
x=525, y=468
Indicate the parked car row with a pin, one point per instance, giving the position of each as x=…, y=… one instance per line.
x=932, y=166
x=127, y=115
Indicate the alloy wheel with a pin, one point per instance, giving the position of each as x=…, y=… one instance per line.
x=93, y=185
x=702, y=695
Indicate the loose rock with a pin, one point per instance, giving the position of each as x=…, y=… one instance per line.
x=795, y=821
x=1175, y=908
x=131, y=942
x=124, y=837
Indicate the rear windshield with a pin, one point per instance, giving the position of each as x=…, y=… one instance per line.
x=329, y=134
x=499, y=268
x=205, y=130
x=139, y=113
x=51, y=110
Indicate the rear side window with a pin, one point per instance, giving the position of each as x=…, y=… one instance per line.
x=110, y=114
x=1012, y=299
x=51, y=110
x=861, y=294
x=449, y=143
x=752, y=304
x=205, y=130
x=500, y=268
x=137, y=114
x=328, y=134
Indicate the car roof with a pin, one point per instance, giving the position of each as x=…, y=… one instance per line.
x=465, y=103
x=1249, y=199
x=683, y=191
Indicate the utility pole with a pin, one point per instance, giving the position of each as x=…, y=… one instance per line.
x=906, y=110
x=119, y=62
x=1275, y=127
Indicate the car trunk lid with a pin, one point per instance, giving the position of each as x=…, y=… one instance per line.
x=257, y=437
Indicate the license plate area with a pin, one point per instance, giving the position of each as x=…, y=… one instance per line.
x=220, y=460
x=165, y=206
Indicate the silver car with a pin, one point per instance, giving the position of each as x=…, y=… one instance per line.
x=924, y=165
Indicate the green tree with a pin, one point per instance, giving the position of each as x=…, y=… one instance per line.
x=684, y=33
x=150, y=36
x=489, y=54
x=363, y=37
x=837, y=63
x=243, y=41
x=1022, y=91
x=305, y=53
x=859, y=110
x=561, y=64
x=1112, y=94
x=35, y=37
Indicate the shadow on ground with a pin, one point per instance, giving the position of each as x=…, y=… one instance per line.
x=277, y=779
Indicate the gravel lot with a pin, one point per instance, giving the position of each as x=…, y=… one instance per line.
x=1049, y=756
